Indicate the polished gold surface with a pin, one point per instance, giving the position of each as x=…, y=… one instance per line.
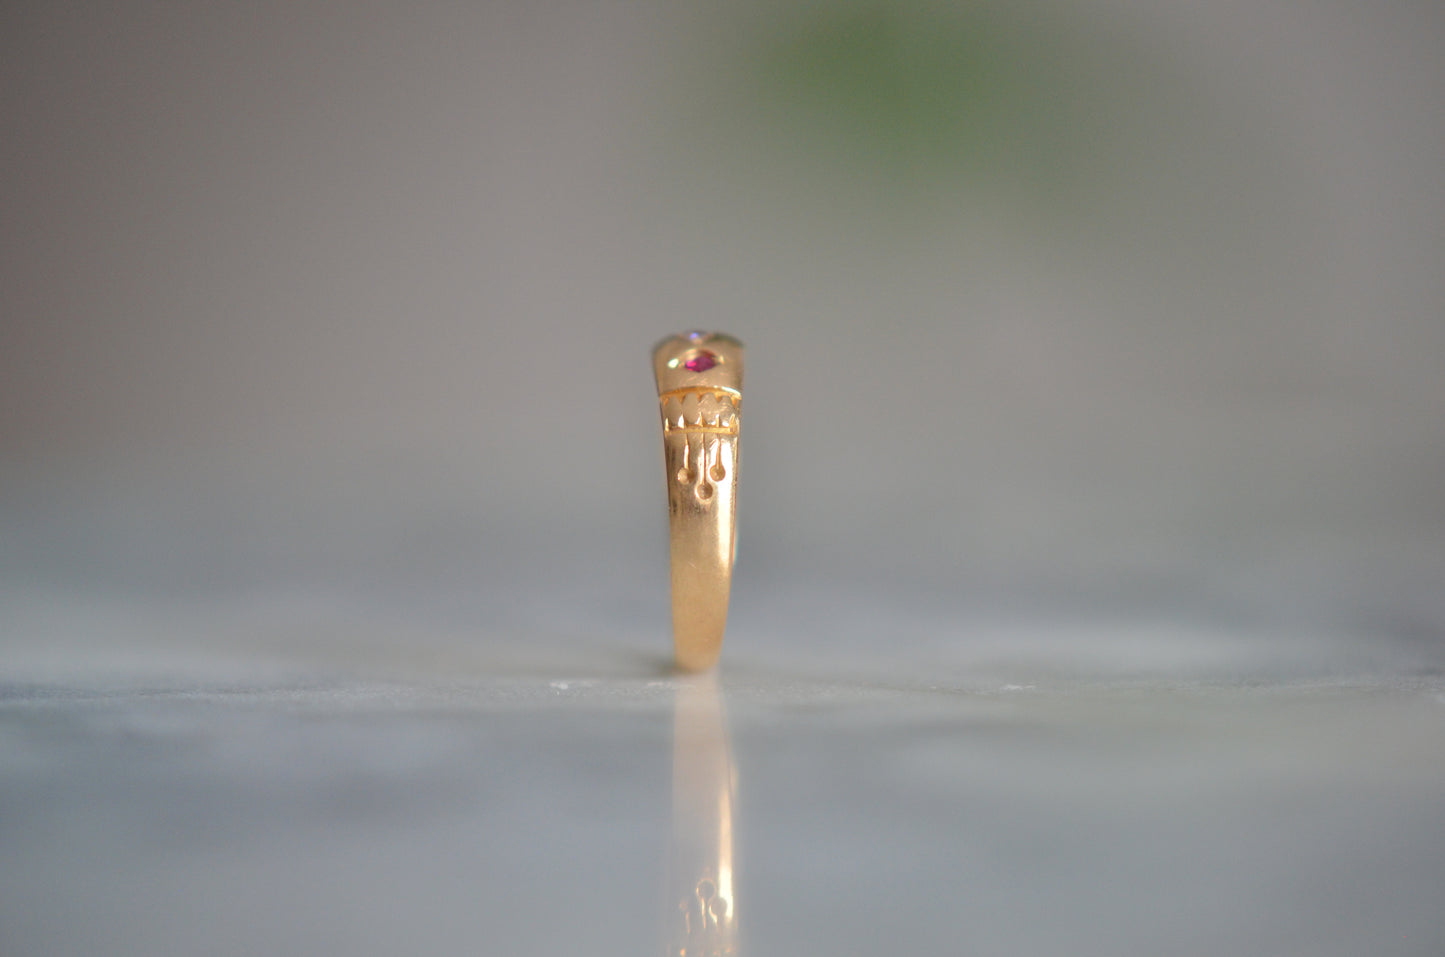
x=699, y=391
x=702, y=919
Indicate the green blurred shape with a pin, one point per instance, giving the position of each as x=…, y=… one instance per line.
x=916, y=93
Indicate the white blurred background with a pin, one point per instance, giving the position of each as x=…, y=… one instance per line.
x=336, y=318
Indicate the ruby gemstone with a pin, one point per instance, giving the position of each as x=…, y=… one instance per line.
x=700, y=361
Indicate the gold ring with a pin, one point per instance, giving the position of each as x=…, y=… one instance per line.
x=699, y=389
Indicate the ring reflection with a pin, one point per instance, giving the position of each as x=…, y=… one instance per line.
x=701, y=883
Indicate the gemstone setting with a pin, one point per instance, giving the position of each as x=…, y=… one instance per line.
x=700, y=361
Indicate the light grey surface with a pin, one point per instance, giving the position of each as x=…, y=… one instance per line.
x=362, y=777
x=529, y=814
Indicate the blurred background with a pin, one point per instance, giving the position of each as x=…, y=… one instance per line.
x=327, y=325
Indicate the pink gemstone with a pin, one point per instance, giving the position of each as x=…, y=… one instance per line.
x=700, y=361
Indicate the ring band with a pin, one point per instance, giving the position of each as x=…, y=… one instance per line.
x=699, y=390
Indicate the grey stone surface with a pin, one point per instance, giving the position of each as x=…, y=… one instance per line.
x=524, y=808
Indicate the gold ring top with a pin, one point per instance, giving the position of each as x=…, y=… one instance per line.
x=699, y=391
x=699, y=359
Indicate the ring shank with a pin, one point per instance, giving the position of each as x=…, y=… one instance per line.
x=703, y=539
x=699, y=390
